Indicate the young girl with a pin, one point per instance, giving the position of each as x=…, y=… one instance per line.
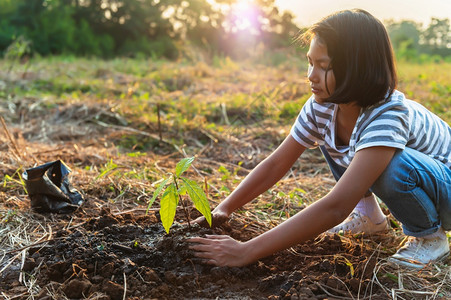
x=375, y=141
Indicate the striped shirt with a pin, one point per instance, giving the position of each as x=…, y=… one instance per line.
x=395, y=122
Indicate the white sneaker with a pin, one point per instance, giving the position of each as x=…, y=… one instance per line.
x=358, y=223
x=418, y=252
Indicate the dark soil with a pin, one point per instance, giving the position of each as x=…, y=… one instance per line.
x=108, y=255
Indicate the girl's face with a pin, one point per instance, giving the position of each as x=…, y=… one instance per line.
x=320, y=74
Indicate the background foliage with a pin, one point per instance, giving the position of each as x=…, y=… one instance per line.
x=411, y=41
x=179, y=28
x=141, y=27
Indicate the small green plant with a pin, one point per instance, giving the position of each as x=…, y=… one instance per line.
x=173, y=188
x=15, y=180
x=110, y=168
x=10, y=214
x=18, y=49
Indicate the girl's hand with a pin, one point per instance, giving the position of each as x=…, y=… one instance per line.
x=221, y=250
x=218, y=217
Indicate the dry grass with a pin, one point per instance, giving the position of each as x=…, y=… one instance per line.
x=86, y=132
x=433, y=282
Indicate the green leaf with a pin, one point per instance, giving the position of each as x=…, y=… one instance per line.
x=394, y=224
x=392, y=277
x=198, y=197
x=156, y=193
x=182, y=190
x=168, y=206
x=281, y=194
x=351, y=267
x=300, y=190
x=183, y=165
x=109, y=167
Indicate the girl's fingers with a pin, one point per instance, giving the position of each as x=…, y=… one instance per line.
x=217, y=237
x=210, y=238
x=201, y=247
x=208, y=255
x=219, y=250
x=199, y=240
x=211, y=262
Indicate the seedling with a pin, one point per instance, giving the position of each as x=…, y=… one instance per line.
x=19, y=48
x=173, y=192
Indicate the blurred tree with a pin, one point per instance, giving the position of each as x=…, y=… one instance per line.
x=282, y=29
x=437, y=37
x=201, y=24
x=412, y=42
x=150, y=27
x=27, y=13
x=7, y=7
x=405, y=37
x=132, y=25
x=404, y=31
x=32, y=19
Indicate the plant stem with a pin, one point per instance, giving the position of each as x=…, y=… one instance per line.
x=183, y=203
x=159, y=123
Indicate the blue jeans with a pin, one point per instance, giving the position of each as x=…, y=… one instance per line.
x=416, y=189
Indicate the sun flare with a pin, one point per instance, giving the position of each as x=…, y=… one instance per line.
x=244, y=15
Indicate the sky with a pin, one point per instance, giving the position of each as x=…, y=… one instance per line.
x=311, y=11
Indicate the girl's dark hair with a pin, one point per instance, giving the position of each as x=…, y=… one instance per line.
x=361, y=56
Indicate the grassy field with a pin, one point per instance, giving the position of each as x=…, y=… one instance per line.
x=235, y=113
x=162, y=108
x=276, y=92
x=123, y=124
x=429, y=85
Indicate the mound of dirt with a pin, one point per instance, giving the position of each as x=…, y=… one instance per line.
x=108, y=256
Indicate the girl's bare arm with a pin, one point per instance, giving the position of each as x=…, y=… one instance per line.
x=264, y=176
x=327, y=212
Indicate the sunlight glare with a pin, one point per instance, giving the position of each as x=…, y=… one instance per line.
x=244, y=14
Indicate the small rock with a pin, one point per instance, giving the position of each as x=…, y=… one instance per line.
x=306, y=291
x=107, y=270
x=354, y=283
x=333, y=282
x=29, y=264
x=76, y=288
x=114, y=290
x=170, y=277
x=96, y=279
x=164, y=289
x=151, y=275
